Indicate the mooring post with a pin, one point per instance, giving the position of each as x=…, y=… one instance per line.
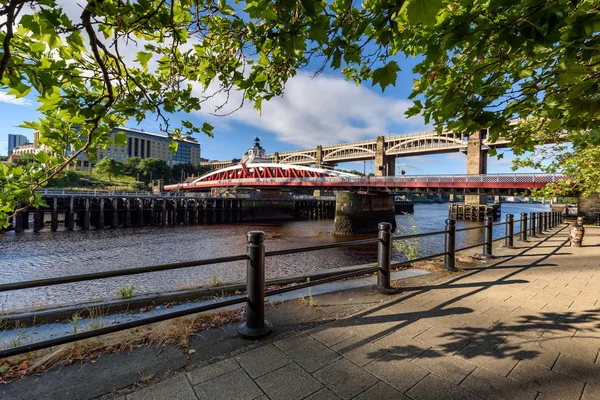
x=127, y=220
x=487, y=245
x=384, y=257
x=54, y=222
x=510, y=221
x=86, y=213
x=450, y=245
x=18, y=220
x=255, y=325
x=38, y=220
x=523, y=235
x=70, y=214
x=539, y=223
x=115, y=214
x=101, y=215
x=141, y=212
x=533, y=232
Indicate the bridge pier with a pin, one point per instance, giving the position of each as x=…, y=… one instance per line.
x=384, y=165
x=357, y=213
x=476, y=164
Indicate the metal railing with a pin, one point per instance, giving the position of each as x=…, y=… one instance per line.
x=255, y=325
x=123, y=193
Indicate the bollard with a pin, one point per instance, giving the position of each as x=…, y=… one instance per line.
x=533, y=231
x=508, y=241
x=384, y=257
x=523, y=236
x=487, y=241
x=546, y=225
x=539, y=223
x=450, y=246
x=255, y=325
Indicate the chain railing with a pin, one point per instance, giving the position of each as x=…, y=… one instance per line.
x=255, y=325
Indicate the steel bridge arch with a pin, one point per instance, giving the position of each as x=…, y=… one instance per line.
x=297, y=157
x=431, y=140
x=362, y=151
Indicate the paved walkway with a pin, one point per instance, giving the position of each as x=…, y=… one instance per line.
x=524, y=326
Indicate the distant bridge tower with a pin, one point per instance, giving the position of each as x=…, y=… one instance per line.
x=477, y=157
x=384, y=164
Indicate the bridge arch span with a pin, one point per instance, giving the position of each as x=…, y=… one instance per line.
x=270, y=170
x=426, y=142
x=353, y=150
x=298, y=158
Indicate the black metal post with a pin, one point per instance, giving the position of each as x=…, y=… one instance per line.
x=539, y=223
x=255, y=325
x=510, y=228
x=384, y=257
x=546, y=226
x=533, y=232
x=450, y=245
x=523, y=236
x=487, y=241
x=552, y=220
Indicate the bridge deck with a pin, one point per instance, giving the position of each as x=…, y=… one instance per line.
x=513, y=182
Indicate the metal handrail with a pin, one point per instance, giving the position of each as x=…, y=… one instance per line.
x=115, y=273
x=255, y=324
x=470, y=228
x=417, y=235
x=320, y=247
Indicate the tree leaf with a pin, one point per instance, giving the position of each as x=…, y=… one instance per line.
x=386, y=75
x=423, y=11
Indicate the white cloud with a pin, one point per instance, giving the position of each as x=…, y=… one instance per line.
x=322, y=110
x=10, y=99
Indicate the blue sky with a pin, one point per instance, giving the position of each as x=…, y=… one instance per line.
x=324, y=110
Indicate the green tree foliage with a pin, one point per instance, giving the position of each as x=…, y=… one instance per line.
x=109, y=167
x=131, y=166
x=480, y=65
x=153, y=168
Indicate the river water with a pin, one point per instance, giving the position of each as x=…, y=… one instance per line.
x=46, y=254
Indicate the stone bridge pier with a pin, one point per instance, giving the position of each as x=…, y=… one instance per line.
x=476, y=164
x=359, y=213
x=384, y=165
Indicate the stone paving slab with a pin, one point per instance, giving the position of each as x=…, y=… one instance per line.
x=525, y=325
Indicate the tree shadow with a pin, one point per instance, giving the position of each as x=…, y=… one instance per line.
x=470, y=340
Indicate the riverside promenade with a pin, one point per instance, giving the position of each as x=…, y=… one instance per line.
x=523, y=325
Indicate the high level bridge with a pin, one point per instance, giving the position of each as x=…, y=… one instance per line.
x=382, y=150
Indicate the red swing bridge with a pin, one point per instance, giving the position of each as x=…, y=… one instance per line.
x=280, y=176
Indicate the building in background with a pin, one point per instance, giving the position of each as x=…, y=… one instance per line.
x=139, y=144
x=143, y=145
x=16, y=141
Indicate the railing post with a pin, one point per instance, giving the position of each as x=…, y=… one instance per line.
x=450, y=245
x=255, y=325
x=487, y=241
x=510, y=229
x=551, y=218
x=539, y=223
x=384, y=257
x=523, y=235
x=533, y=232
x=545, y=216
